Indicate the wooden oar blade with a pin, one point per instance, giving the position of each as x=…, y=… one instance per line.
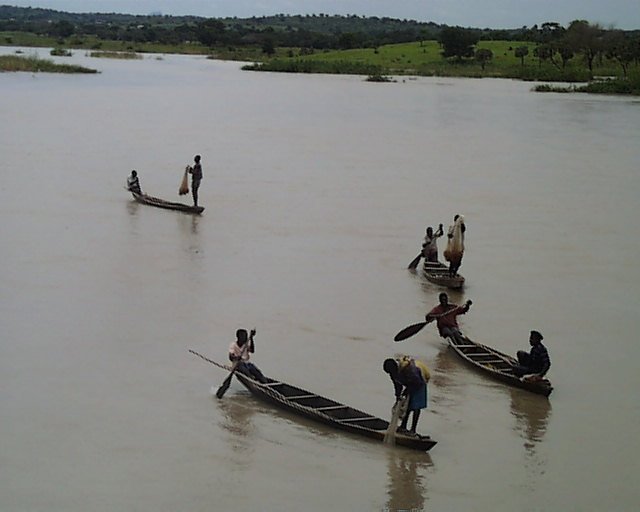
x=225, y=385
x=409, y=331
x=415, y=262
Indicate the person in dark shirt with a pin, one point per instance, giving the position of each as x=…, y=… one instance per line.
x=410, y=378
x=536, y=361
x=196, y=178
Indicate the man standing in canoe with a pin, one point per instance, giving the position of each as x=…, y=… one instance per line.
x=196, y=178
x=445, y=315
x=409, y=377
x=455, y=244
x=537, y=361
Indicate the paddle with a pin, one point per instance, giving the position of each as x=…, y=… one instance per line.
x=227, y=382
x=415, y=262
x=409, y=331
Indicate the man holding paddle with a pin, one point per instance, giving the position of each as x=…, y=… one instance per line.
x=239, y=353
x=429, y=247
x=445, y=315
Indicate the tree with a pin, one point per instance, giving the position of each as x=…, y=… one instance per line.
x=565, y=52
x=458, y=42
x=483, y=55
x=268, y=47
x=551, y=31
x=620, y=47
x=521, y=52
x=585, y=38
x=544, y=52
x=210, y=32
x=63, y=28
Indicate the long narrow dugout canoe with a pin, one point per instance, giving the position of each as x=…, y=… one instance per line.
x=324, y=410
x=168, y=205
x=438, y=273
x=496, y=364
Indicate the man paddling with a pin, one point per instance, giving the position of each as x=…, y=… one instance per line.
x=536, y=362
x=445, y=315
x=241, y=354
x=409, y=377
x=133, y=183
x=430, y=245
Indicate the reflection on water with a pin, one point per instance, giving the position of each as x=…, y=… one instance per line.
x=190, y=223
x=132, y=207
x=445, y=365
x=237, y=421
x=407, y=487
x=531, y=413
x=532, y=416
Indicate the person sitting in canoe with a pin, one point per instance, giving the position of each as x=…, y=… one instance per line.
x=240, y=351
x=133, y=183
x=535, y=362
x=430, y=245
x=409, y=377
x=445, y=316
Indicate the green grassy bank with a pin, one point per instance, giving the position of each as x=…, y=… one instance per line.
x=34, y=65
x=417, y=59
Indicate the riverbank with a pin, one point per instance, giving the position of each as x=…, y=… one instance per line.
x=34, y=65
x=407, y=59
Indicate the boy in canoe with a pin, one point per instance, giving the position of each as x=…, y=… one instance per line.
x=409, y=377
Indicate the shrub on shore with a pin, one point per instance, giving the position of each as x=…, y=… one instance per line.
x=34, y=64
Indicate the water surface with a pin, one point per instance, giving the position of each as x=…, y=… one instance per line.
x=317, y=190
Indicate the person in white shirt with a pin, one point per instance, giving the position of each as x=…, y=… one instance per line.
x=430, y=245
x=133, y=183
x=239, y=352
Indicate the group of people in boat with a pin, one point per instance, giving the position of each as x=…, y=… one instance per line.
x=133, y=181
x=455, y=245
x=410, y=376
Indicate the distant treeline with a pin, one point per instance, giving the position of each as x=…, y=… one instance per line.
x=315, y=32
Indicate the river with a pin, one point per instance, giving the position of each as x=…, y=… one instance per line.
x=317, y=190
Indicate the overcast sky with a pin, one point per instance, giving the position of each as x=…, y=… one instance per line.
x=623, y=14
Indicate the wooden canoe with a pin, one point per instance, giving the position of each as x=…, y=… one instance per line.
x=324, y=410
x=168, y=205
x=438, y=273
x=496, y=364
